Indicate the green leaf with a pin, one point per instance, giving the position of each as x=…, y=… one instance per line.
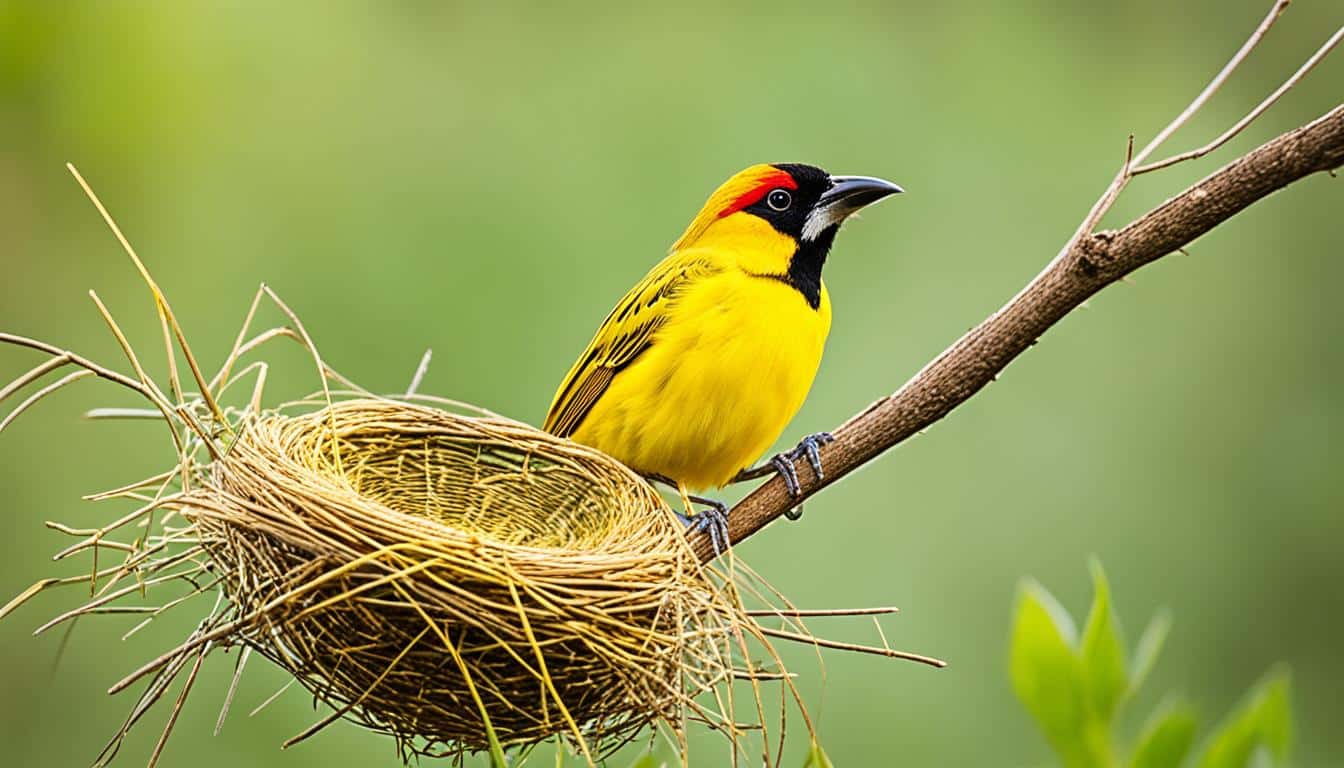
x=1166, y=737
x=1103, y=651
x=648, y=761
x=1150, y=645
x=816, y=758
x=1047, y=672
x=1262, y=721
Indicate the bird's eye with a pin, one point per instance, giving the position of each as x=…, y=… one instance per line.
x=779, y=199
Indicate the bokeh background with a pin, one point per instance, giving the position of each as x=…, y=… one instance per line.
x=488, y=180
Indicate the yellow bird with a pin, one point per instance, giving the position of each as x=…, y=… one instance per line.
x=701, y=366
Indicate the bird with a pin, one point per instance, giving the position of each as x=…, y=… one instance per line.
x=700, y=367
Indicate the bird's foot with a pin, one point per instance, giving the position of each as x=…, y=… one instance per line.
x=810, y=448
x=712, y=522
x=782, y=464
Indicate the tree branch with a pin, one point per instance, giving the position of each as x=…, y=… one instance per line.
x=1088, y=264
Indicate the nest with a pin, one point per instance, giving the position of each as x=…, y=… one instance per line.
x=463, y=583
x=456, y=578
x=452, y=578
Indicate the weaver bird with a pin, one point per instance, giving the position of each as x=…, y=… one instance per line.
x=700, y=367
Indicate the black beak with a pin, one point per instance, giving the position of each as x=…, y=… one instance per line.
x=855, y=192
x=846, y=195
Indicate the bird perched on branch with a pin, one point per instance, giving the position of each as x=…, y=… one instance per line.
x=699, y=368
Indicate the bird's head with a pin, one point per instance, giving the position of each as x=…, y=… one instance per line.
x=772, y=212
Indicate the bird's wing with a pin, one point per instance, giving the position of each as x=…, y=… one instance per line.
x=623, y=337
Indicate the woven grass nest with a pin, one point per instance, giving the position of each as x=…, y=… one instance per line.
x=464, y=583
x=460, y=581
x=456, y=577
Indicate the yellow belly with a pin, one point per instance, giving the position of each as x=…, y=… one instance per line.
x=719, y=384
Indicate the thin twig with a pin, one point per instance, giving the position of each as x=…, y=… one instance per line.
x=161, y=302
x=420, y=371
x=177, y=707
x=874, y=650
x=1216, y=83
x=98, y=414
x=1260, y=109
x=233, y=687
x=33, y=375
x=236, y=351
x=41, y=393
x=271, y=699
x=317, y=359
x=803, y=613
x=82, y=362
x=149, y=389
x=1122, y=178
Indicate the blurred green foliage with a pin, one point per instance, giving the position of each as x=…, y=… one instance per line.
x=817, y=757
x=1074, y=689
x=488, y=179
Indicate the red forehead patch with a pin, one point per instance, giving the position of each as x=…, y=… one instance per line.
x=767, y=183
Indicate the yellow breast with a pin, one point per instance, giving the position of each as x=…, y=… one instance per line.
x=722, y=379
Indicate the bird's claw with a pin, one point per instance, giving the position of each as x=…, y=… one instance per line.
x=784, y=466
x=712, y=522
x=810, y=448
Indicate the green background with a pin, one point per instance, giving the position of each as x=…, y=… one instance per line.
x=488, y=181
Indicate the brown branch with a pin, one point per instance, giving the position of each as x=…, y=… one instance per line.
x=1087, y=265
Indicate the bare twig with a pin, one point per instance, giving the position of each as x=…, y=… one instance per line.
x=1259, y=110
x=1132, y=160
x=875, y=650
x=420, y=371
x=177, y=707
x=120, y=414
x=41, y=393
x=798, y=613
x=82, y=362
x=166, y=315
x=1279, y=7
x=33, y=375
x=233, y=687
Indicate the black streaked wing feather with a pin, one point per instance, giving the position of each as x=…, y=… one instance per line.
x=623, y=337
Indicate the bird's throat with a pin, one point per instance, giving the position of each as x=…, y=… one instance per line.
x=805, y=265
